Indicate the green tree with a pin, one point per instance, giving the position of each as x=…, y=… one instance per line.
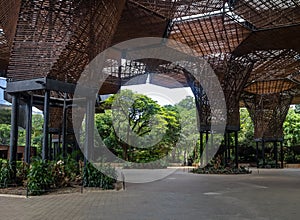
x=4, y=134
x=247, y=148
x=189, y=145
x=291, y=128
x=5, y=115
x=134, y=116
x=297, y=108
x=37, y=131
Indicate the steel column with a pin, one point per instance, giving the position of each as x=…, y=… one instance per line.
x=236, y=149
x=225, y=148
x=45, y=147
x=263, y=151
x=28, y=129
x=206, y=147
x=281, y=153
x=50, y=155
x=228, y=147
x=201, y=148
x=89, y=129
x=275, y=154
x=64, y=129
x=14, y=133
x=257, y=157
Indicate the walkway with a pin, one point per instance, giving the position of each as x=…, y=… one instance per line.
x=269, y=194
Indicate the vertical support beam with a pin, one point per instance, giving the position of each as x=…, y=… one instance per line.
x=77, y=148
x=281, y=153
x=28, y=130
x=236, y=149
x=275, y=154
x=45, y=147
x=228, y=147
x=206, y=147
x=14, y=133
x=263, y=152
x=58, y=150
x=50, y=156
x=211, y=142
x=257, y=157
x=89, y=138
x=64, y=129
x=225, y=149
x=54, y=151
x=89, y=129
x=201, y=148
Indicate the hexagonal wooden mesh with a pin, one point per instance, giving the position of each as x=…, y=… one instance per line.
x=58, y=38
x=268, y=112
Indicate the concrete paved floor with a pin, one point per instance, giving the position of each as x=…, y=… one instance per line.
x=269, y=194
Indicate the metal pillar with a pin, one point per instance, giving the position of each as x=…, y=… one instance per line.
x=275, y=154
x=211, y=142
x=50, y=156
x=28, y=130
x=14, y=133
x=45, y=147
x=89, y=138
x=77, y=148
x=228, y=147
x=58, y=150
x=257, y=157
x=225, y=148
x=206, y=147
x=54, y=150
x=281, y=153
x=236, y=149
x=201, y=148
x=64, y=129
x=263, y=152
x=89, y=129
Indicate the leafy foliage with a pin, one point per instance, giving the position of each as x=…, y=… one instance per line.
x=247, y=148
x=64, y=172
x=5, y=116
x=5, y=173
x=93, y=177
x=39, y=178
x=145, y=118
x=291, y=128
x=4, y=134
x=136, y=115
x=188, y=152
x=37, y=132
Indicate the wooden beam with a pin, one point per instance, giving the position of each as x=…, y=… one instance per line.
x=40, y=84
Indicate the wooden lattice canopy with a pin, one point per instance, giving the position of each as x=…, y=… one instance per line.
x=252, y=45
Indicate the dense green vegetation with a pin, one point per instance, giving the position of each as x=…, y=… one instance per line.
x=291, y=129
x=37, y=130
x=134, y=121
x=148, y=121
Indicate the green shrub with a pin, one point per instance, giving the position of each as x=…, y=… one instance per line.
x=39, y=178
x=93, y=177
x=22, y=171
x=65, y=171
x=5, y=173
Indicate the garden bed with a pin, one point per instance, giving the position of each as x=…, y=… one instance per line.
x=224, y=171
